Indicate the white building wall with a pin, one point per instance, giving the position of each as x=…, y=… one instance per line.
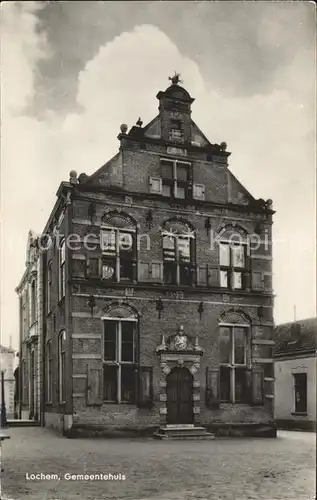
x=7, y=365
x=284, y=371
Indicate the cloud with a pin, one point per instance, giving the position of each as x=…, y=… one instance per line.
x=270, y=138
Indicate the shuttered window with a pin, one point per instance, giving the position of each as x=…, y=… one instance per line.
x=118, y=254
x=178, y=257
x=233, y=265
x=119, y=359
x=234, y=373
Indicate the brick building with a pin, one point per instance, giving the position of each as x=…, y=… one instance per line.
x=30, y=293
x=158, y=304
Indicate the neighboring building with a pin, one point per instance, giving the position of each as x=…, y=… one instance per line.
x=7, y=366
x=147, y=320
x=295, y=374
x=30, y=294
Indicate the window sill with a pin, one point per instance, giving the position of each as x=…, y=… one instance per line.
x=121, y=403
x=299, y=413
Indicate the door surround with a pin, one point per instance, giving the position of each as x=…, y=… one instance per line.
x=179, y=391
x=179, y=351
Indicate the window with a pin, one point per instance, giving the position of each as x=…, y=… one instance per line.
x=119, y=360
x=25, y=384
x=62, y=275
x=49, y=287
x=49, y=372
x=232, y=257
x=24, y=314
x=118, y=254
x=176, y=133
x=62, y=366
x=33, y=302
x=300, y=385
x=175, y=178
x=233, y=364
x=178, y=256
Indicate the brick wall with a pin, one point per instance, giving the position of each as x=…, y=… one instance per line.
x=123, y=185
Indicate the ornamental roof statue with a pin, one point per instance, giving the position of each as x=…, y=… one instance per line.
x=175, y=79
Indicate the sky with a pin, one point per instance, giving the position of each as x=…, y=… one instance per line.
x=72, y=72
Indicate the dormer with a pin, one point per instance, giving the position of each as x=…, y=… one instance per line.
x=175, y=111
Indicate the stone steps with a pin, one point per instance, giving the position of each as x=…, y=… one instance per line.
x=183, y=432
x=23, y=423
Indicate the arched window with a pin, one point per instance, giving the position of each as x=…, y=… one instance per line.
x=234, y=258
x=49, y=385
x=178, y=253
x=33, y=301
x=119, y=354
x=118, y=247
x=62, y=275
x=234, y=357
x=49, y=288
x=62, y=366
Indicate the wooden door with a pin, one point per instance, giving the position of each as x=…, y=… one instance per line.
x=179, y=397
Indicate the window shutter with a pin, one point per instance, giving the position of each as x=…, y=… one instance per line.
x=94, y=394
x=155, y=184
x=257, y=385
x=150, y=272
x=213, y=276
x=199, y=191
x=143, y=271
x=145, y=387
x=93, y=267
x=156, y=271
x=202, y=276
x=267, y=281
x=79, y=268
x=212, y=388
x=257, y=281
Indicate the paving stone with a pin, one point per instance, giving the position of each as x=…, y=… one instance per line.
x=221, y=469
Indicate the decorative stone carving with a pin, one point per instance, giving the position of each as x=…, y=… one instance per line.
x=165, y=368
x=193, y=369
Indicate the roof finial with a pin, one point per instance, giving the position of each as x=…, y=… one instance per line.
x=175, y=79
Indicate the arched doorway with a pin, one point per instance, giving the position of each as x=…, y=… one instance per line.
x=180, y=397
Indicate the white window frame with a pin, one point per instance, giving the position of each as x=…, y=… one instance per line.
x=177, y=261
x=49, y=367
x=61, y=371
x=233, y=269
x=117, y=231
x=33, y=304
x=49, y=288
x=118, y=363
x=175, y=179
x=62, y=269
x=232, y=365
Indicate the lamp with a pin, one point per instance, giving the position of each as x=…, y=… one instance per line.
x=201, y=309
x=4, y=422
x=91, y=304
x=207, y=225
x=159, y=307
x=149, y=218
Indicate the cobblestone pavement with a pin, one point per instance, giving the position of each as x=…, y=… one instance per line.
x=223, y=469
